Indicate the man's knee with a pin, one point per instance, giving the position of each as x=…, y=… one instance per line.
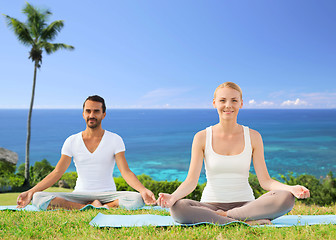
x=138, y=200
x=40, y=195
x=131, y=201
x=41, y=200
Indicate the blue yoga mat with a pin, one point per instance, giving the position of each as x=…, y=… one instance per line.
x=35, y=209
x=102, y=220
x=89, y=206
x=13, y=208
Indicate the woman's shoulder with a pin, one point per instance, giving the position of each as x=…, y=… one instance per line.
x=255, y=136
x=200, y=134
x=200, y=139
x=253, y=132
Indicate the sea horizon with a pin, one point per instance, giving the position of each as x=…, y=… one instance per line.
x=158, y=141
x=160, y=108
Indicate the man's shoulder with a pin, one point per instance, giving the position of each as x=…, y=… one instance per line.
x=112, y=134
x=74, y=136
x=79, y=134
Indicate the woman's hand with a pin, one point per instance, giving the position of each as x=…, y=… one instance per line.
x=166, y=200
x=148, y=197
x=300, y=191
x=24, y=199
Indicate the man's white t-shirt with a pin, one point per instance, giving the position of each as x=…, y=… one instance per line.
x=95, y=170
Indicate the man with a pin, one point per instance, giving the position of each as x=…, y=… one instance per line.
x=94, y=152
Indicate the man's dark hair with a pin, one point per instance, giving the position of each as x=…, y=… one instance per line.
x=96, y=98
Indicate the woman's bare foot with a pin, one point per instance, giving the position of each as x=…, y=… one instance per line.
x=221, y=213
x=259, y=222
x=96, y=203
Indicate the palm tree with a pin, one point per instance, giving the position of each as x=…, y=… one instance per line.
x=36, y=34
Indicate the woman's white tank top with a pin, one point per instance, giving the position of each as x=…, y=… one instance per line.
x=227, y=176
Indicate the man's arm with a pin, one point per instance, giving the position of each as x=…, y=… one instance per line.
x=132, y=180
x=62, y=165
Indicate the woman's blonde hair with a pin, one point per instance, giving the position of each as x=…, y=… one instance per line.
x=230, y=85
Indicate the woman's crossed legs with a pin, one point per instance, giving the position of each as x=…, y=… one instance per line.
x=267, y=207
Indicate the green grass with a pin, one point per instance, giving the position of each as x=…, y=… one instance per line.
x=74, y=224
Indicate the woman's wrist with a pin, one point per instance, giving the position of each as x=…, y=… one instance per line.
x=174, y=199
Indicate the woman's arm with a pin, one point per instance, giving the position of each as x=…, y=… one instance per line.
x=266, y=182
x=190, y=183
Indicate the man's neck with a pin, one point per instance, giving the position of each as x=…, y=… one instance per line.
x=93, y=132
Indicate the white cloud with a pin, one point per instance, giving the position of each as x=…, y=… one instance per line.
x=252, y=102
x=267, y=103
x=260, y=104
x=297, y=102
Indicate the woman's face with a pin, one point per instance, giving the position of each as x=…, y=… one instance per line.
x=227, y=102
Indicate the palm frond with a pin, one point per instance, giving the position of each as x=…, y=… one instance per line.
x=20, y=29
x=30, y=11
x=36, y=19
x=51, y=31
x=53, y=47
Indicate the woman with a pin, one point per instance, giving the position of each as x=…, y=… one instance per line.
x=227, y=149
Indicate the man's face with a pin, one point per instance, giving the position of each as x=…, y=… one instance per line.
x=93, y=113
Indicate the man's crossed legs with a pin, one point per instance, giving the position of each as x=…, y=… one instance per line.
x=78, y=200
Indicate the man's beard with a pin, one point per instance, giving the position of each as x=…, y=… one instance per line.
x=94, y=125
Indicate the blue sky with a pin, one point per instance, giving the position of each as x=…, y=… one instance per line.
x=173, y=54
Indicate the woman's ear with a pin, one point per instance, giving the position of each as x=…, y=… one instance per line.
x=242, y=103
x=214, y=103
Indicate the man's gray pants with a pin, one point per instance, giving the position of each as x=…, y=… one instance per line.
x=127, y=200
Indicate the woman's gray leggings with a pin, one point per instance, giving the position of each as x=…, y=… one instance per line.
x=268, y=206
x=128, y=200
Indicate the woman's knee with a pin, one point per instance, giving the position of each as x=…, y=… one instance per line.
x=283, y=200
x=179, y=211
x=287, y=199
x=180, y=205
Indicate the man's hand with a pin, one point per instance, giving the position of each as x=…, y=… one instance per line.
x=148, y=197
x=24, y=199
x=166, y=200
x=300, y=191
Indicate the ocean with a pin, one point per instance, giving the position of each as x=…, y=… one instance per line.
x=158, y=141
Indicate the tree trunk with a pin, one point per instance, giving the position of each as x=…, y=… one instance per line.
x=26, y=182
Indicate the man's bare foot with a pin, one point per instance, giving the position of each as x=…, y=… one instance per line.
x=221, y=213
x=96, y=203
x=259, y=222
x=105, y=206
x=113, y=204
